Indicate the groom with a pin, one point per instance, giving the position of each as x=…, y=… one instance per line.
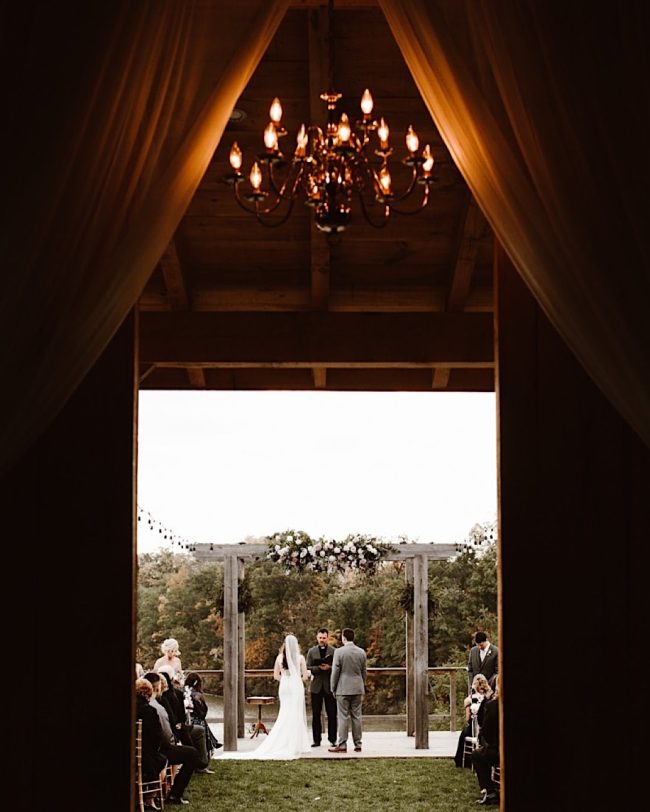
x=319, y=662
x=348, y=685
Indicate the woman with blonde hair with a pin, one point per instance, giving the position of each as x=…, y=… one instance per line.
x=171, y=656
x=480, y=690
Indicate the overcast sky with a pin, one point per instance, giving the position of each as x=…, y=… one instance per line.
x=220, y=466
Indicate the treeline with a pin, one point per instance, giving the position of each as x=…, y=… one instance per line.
x=178, y=597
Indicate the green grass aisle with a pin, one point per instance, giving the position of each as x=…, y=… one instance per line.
x=376, y=784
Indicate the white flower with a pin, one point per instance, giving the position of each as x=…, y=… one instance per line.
x=277, y=548
x=322, y=554
x=289, y=538
x=332, y=558
x=337, y=550
x=303, y=552
x=353, y=548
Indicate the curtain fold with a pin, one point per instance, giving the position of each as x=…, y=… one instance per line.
x=544, y=108
x=114, y=112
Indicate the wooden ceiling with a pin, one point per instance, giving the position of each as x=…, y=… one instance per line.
x=235, y=305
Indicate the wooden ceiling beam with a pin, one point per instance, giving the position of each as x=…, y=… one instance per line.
x=341, y=299
x=174, y=278
x=317, y=339
x=472, y=228
x=318, y=81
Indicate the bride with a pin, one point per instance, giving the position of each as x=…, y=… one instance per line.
x=288, y=737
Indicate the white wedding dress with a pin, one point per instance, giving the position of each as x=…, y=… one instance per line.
x=289, y=736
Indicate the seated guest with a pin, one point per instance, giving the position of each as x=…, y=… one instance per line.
x=193, y=735
x=198, y=710
x=480, y=691
x=153, y=761
x=486, y=754
x=174, y=753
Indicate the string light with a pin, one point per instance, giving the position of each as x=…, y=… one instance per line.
x=168, y=535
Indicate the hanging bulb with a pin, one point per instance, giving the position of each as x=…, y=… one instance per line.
x=385, y=180
x=383, y=132
x=427, y=166
x=412, y=141
x=367, y=103
x=301, y=140
x=344, y=129
x=270, y=136
x=275, y=111
x=236, y=157
x=256, y=177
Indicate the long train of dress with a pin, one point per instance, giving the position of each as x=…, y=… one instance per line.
x=289, y=736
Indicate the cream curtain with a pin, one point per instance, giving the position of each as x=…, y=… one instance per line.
x=115, y=110
x=545, y=109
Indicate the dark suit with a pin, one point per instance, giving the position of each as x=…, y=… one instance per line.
x=321, y=692
x=486, y=754
x=488, y=667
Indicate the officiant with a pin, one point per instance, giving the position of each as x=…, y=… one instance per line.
x=319, y=662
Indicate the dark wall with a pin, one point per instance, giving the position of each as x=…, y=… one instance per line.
x=574, y=487
x=68, y=553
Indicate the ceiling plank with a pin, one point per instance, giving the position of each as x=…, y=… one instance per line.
x=174, y=279
x=318, y=81
x=317, y=339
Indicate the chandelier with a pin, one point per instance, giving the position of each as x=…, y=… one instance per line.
x=331, y=167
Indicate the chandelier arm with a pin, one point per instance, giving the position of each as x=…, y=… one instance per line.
x=242, y=205
x=281, y=221
x=410, y=188
x=279, y=192
x=425, y=200
x=367, y=217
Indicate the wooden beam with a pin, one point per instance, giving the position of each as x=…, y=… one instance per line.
x=441, y=377
x=318, y=82
x=317, y=339
x=421, y=650
x=230, y=653
x=241, y=660
x=410, y=681
x=196, y=377
x=146, y=372
x=256, y=551
x=174, y=279
x=320, y=377
x=342, y=299
x=472, y=229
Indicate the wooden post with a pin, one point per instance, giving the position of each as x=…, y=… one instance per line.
x=410, y=680
x=452, y=701
x=241, y=664
x=421, y=650
x=230, y=658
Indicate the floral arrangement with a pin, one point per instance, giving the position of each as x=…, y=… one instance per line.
x=295, y=550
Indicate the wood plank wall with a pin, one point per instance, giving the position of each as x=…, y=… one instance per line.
x=68, y=511
x=574, y=485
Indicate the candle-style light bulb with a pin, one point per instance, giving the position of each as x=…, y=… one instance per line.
x=427, y=166
x=256, y=177
x=275, y=111
x=385, y=180
x=301, y=141
x=367, y=103
x=270, y=136
x=412, y=141
x=344, y=129
x=236, y=157
x=383, y=132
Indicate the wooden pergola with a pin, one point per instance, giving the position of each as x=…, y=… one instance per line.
x=416, y=557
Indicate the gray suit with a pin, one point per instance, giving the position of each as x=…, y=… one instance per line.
x=348, y=684
x=488, y=667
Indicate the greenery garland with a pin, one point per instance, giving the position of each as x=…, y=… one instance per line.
x=297, y=552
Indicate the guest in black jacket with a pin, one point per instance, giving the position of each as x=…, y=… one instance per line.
x=153, y=761
x=486, y=754
x=186, y=733
x=199, y=710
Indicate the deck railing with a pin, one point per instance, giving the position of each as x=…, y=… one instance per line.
x=457, y=680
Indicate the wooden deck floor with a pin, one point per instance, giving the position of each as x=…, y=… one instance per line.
x=375, y=745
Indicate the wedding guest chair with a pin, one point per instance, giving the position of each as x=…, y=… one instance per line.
x=146, y=789
x=470, y=744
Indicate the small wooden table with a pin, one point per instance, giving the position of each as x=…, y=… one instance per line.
x=259, y=701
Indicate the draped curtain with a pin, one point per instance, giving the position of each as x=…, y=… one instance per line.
x=113, y=112
x=545, y=109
